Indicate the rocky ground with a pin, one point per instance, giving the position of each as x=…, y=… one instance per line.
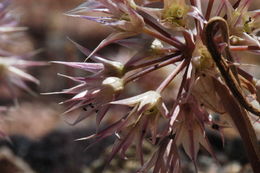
x=43, y=143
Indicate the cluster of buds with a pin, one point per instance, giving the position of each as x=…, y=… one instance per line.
x=200, y=40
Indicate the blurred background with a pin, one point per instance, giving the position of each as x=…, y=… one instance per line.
x=40, y=140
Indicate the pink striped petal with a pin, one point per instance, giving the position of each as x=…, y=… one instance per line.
x=91, y=67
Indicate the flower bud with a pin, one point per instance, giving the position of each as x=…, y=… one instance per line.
x=116, y=84
x=175, y=13
x=202, y=59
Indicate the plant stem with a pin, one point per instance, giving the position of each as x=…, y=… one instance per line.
x=168, y=80
x=209, y=8
x=163, y=38
x=154, y=24
x=153, y=68
x=151, y=62
x=244, y=48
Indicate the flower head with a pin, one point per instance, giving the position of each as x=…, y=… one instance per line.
x=118, y=14
x=93, y=93
x=13, y=67
x=148, y=109
x=190, y=128
x=11, y=72
x=175, y=12
x=243, y=24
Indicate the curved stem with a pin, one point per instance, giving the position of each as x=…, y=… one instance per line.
x=226, y=72
x=236, y=103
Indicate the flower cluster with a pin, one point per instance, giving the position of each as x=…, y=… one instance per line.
x=200, y=41
x=12, y=66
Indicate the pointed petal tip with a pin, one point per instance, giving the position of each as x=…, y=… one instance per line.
x=85, y=138
x=51, y=93
x=72, y=15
